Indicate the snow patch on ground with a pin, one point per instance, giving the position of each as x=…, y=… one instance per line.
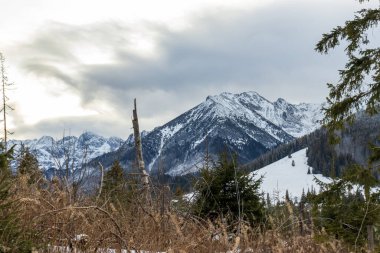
x=281, y=176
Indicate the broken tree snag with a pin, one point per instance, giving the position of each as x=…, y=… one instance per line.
x=138, y=148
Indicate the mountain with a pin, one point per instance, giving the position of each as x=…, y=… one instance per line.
x=245, y=123
x=282, y=176
x=72, y=151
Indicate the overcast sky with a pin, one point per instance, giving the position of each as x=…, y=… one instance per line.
x=78, y=64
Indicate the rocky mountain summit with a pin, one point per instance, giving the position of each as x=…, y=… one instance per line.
x=245, y=123
x=69, y=152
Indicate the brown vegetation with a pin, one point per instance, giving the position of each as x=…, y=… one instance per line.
x=90, y=225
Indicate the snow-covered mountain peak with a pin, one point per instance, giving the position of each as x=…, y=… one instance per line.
x=51, y=153
x=89, y=138
x=227, y=97
x=229, y=105
x=89, y=135
x=251, y=96
x=297, y=120
x=281, y=101
x=246, y=123
x=45, y=140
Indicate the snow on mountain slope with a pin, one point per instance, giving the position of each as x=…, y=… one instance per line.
x=52, y=154
x=281, y=176
x=245, y=123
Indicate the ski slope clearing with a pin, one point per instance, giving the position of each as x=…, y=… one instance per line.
x=282, y=175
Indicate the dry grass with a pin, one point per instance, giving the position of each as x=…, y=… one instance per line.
x=157, y=227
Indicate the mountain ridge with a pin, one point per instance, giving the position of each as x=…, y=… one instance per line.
x=244, y=123
x=241, y=123
x=52, y=154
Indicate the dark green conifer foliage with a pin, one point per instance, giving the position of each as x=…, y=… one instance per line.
x=28, y=165
x=225, y=191
x=343, y=211
x=268, y=201
x=303, y=196
x=12, y=236
x=360, y=79
x=287, y=198
x=114, y=186
x=337, y=209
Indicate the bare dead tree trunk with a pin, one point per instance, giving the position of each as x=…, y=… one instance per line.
x=371, y=241
x=5, y=107
x=3, y=81
x=138, y=148
x=101, y=181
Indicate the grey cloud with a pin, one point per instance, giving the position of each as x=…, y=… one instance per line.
x=268, y=50
x=74, y=126
x=255, y=50
x=50, y=71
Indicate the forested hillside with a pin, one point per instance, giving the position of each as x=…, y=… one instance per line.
x=326, y=158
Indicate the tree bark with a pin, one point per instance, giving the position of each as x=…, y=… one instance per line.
x=138, y=148
x=371, y=241
x=4, y=108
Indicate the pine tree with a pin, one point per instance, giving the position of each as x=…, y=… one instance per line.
x=224, y=190
x=360, y=80
x=11, y=234
x=303, y=196
x=346, y=213
x=28, y=166
x=268, y=200
x=114, y=183
x=287, y=198
x=359, y=87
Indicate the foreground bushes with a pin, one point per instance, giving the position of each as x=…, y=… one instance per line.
x=91, y=225
x=227, y=215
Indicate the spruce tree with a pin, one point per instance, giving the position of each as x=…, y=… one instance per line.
x=226, y=191
x=360, y=79
x=28, y=166
x=346, y=206
x=268, y=201
x=114, y=183
x=287, y=198
x=12, y=236
x=344, y=214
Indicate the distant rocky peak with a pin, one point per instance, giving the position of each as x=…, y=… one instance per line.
x=251, y=95
x=48, y=150
x=89, y=135
x=281, y=101
x=45, y=140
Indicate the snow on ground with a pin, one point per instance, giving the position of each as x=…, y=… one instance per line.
x=281, y=176
x=64, y=249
